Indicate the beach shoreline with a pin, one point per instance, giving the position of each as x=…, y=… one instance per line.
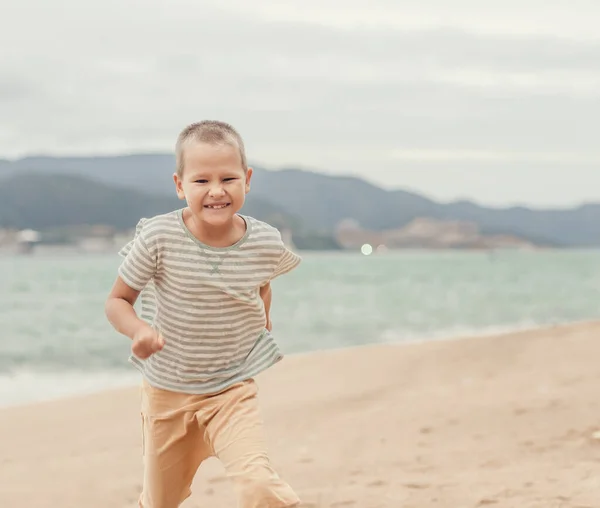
x=501, y=420
x=118, y=379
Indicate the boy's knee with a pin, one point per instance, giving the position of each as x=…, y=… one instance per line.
x=264, y=489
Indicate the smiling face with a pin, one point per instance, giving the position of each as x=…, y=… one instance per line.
x=213, y=182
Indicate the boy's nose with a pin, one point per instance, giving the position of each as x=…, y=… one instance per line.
x=216, y=190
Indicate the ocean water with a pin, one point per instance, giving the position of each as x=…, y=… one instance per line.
x=56, y=340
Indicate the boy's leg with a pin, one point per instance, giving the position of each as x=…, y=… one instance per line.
x=173, y=448
x=235, y=433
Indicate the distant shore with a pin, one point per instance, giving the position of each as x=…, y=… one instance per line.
x=505, y=420
x=7, y=251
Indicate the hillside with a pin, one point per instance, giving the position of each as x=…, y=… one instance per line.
x=46, y=201
x=317, y=202
x=148, y=173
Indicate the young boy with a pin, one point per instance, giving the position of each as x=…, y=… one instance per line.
x=203, y=273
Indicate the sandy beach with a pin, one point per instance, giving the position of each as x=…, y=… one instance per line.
x=505, y=421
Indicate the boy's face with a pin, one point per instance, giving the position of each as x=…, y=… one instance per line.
x=213, y=182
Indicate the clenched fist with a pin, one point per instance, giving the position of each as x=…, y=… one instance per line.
x=146, y=342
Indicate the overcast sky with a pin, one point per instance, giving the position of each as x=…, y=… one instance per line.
x=496, y=101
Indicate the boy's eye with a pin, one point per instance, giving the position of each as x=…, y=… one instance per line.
x=206, y=181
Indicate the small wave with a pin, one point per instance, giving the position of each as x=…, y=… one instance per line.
x=395, y=336
x=25, y=386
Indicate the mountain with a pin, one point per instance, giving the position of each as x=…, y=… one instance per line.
x=44, y=201
x=149, y=173
x=323, y=201
x=315, y=202
x=578, y=226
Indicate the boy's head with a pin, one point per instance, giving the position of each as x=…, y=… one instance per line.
x=212, y=173
x=211, y=132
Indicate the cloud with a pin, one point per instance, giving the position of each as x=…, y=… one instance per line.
x=14, y=88
x=379, y=86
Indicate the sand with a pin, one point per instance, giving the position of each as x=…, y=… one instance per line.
x=505, y=421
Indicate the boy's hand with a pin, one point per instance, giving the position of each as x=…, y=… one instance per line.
x=146, y=342
x=269, y=325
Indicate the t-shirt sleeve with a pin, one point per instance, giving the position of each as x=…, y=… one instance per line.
x=139, y=265
x=288, y=260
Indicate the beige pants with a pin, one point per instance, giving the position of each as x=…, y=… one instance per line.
x=181, y=430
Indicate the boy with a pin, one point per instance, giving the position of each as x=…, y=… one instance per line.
x=204, y=275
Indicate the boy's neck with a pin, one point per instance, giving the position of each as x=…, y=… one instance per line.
x=215, y=236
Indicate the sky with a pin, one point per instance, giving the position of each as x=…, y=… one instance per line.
x=495, y=101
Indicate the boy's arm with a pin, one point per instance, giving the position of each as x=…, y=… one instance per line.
x=287, y=262
x=122, y=316
x=119, y=309
x=266, y=295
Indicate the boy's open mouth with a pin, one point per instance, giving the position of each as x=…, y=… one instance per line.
x=217, y=206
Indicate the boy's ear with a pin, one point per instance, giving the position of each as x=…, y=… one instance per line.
x=248, y=178
x=178, y=187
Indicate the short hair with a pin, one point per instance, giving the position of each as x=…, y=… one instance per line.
x=213, y=132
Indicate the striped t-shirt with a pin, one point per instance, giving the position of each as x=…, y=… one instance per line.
x=205, y=301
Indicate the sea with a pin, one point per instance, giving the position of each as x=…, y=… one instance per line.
x=56, y=341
